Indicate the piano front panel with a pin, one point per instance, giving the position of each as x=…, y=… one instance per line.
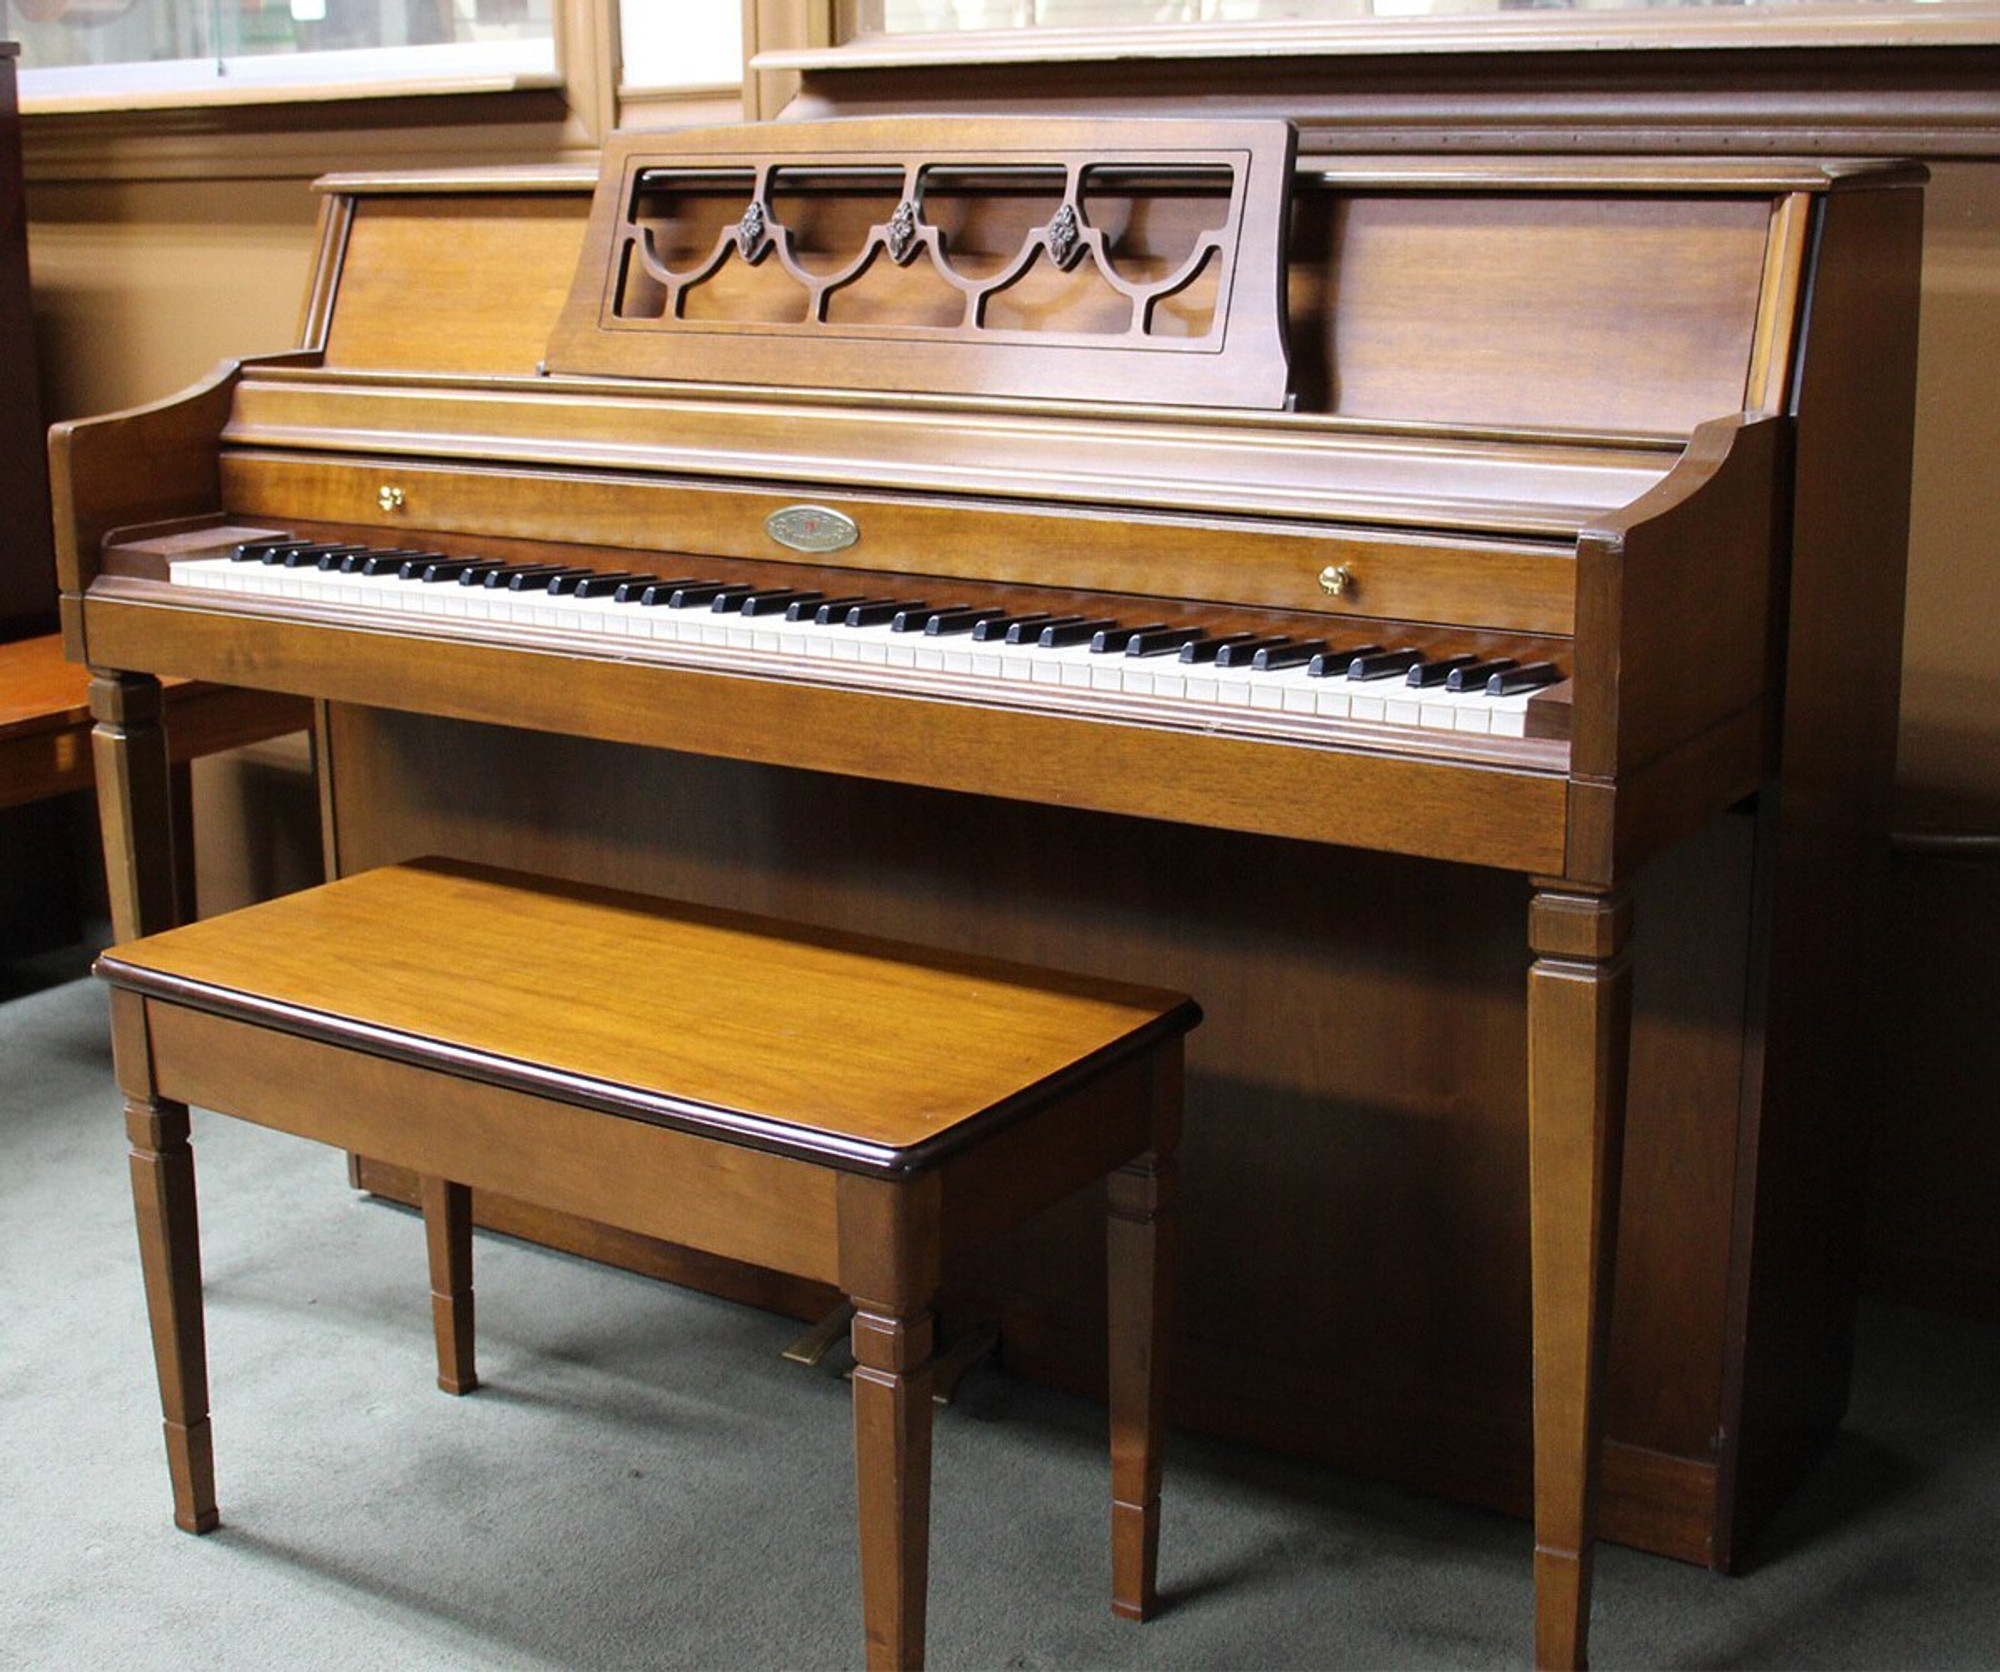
x=1356, y=1286
x=1492, y=585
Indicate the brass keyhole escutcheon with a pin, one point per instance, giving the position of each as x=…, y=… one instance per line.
x=1336, y=580
x=389, y=498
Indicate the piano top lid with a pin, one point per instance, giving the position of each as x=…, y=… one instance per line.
x=1054, y=257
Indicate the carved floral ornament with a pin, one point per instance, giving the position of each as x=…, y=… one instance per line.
x=903, y=233
x=751, y=231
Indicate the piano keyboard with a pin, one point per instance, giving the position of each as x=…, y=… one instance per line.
x=1171, y=662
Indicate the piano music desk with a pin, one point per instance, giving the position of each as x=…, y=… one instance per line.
x=45, y=725
x=844, y=1109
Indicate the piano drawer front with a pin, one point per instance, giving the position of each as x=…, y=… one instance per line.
x=1339, y=572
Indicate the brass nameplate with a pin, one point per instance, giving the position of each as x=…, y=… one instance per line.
x=812, y=528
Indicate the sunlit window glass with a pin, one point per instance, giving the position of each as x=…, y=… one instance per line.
x=167, y=42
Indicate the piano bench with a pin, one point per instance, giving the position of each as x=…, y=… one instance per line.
x=842, y=1109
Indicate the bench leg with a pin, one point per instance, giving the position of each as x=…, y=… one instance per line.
x=448, y=1239
x=170, y=1256
x=892, y=1462
x=1138, y=1232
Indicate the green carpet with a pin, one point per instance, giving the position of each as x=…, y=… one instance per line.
x=645, y=1483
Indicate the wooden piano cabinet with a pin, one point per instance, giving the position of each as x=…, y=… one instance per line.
x=1410, y=1155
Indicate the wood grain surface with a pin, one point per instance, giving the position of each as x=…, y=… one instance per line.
x=711, y=1009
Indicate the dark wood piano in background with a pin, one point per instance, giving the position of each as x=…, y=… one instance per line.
x=1647, y=423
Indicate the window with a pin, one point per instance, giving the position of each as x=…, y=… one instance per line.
x=156, y=49
x=1590, y=22
x=690, y=43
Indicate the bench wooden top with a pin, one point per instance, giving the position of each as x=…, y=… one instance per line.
x=39, y=691
x=863, y=1053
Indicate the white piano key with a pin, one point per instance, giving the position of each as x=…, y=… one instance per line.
x=1290, y=690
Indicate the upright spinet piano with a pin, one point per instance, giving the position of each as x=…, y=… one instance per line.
x=1277, y=561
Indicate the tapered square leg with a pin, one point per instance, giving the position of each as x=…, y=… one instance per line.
x=1579, y=1033
x=128, y=748
x=448, y=1240
x=1138, y=1233
x=892, y=1461
x=163, y=1201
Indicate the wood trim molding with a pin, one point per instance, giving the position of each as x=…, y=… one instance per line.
x=1914, y=101
x=1895, y=24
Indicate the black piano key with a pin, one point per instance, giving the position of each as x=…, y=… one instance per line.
x=778, y=602
x=1383, y=664
x=912, y=619
x=828, y=612
x=523, y=577
x=599, y=583
x=1207, y=650
x=880, y=612
x=1333, y=664
x=1244, y=651
x=1474, y=675
x=1028, y=629
x=275, y=551
x=353, y=560
x=994, y=629
x=1111, y=641
x=673, y=594
x=1295, y=653
x=386, y=562
x=436, y=571
x=1511, y=682
x=729, y=599
x=1059, y=635
x=477, y=574
x=648, y=589
x=960, y=620
x=690, y=595
x=542, y=580
x=307, y=557
x=1161, y=641
x=1426, y=674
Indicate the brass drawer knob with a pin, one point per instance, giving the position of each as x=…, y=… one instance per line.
x=389, y=498
x=1336, y=580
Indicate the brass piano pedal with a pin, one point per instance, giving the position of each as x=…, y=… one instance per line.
x=951, y=1366
x=814, y=1345
x=948, y=1369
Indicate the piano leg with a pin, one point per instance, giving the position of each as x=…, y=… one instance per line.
x=163, y=1200
x=1579, y=1026
x=135, y=803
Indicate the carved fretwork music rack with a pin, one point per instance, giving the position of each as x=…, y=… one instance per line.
x=843, y=256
